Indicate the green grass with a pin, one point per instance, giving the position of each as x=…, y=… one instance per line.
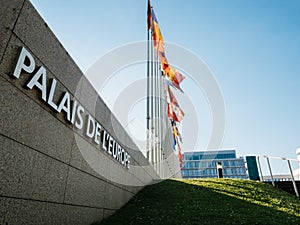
x=209, y=201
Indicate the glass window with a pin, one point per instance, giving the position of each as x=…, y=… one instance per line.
x=225, y=163
x=186, y=157
x=232, y=163
x=212, y=164
x=227, y=171
x=242, y=170
x=240, y=162
x=196, y=157
x=212, y=171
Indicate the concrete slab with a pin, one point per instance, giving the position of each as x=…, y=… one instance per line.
x=9, y=12
x=26, y=173
x=116, y=198
x=82, y=148
x=84, y=189
x=18, y=211
x=24, y=120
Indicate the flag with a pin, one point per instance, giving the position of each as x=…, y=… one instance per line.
x=174, y=136
x=170, y=95
x=176, y=146
x=178, y=114
x=175, y=113
x=170, y=111
x=179, y=77
x=177, y=150
x=178, y=153
x=176, y=132
x=157, y=37
x=180, y=156
x=172, y=75
x=162, y=58
x=149, y=15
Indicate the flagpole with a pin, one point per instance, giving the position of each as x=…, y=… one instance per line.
x=165, y=106
x=148, y=92
x=161, y=119
x=154, y=107
x=148, y=88
x=158, y=114
x=157, y=107
x=152, y=102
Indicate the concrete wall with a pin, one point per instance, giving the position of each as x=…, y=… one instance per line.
x=44, y=178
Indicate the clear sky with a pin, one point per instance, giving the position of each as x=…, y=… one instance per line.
x=252, y=48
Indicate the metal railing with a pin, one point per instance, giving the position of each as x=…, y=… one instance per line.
x=288, y=160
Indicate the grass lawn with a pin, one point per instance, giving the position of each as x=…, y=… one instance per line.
x=209, y=201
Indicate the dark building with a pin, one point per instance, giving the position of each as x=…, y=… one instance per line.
x=252, y=168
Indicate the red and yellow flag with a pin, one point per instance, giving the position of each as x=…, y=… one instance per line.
x=174, y=76
x=157, y=37
x=175, y=113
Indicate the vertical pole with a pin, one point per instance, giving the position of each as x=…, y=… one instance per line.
x=156, y=109
x=261, y=174
x=293, y=180
x=148, y=96
x=270, y=171
x=164, y=110
x=161, y=118
x=155, y=106
x=151, y=104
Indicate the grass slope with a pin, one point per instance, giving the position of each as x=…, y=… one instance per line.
x=209, y=201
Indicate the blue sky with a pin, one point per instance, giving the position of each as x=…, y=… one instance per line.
x=252, y=48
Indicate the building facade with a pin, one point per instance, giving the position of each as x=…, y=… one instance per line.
x=203, y=164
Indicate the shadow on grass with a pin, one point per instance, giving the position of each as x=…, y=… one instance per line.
x=174, y=202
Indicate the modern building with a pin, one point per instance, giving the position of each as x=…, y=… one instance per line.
x=203, y=164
